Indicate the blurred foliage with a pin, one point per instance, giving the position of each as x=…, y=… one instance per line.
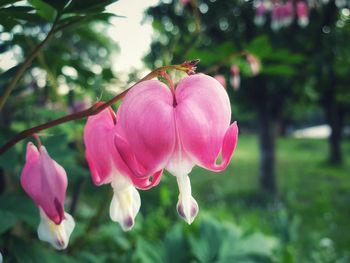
x=306, y=222
x=296, y=63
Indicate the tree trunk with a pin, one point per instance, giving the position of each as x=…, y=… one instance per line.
x=334, y=116
x=266, y=131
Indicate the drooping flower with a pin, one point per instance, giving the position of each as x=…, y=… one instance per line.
x=254, y=64
x=177, y=129
x=302, y=14
x=287, y=14
x=260, y=13
x=235, y=77
x=107, y=166
x=221, y=80
x=276, y=17
x=45, y=181
x=185, y=2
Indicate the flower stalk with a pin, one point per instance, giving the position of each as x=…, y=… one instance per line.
x=188, y=67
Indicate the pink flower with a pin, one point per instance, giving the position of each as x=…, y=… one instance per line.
x=235, y=77
x=287, y=14
x=45, y=181
x=107, y=166
x=221, y=80
x=177, y=129
x=302, y=13
x=254, y=64
x=276, y=17
x=260, y=13
x=185, y=2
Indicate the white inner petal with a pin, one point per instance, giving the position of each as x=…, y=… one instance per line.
x=57, y=235
x=187, y=206
x=125, y=203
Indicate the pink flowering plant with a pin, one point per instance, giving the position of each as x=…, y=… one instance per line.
x=159, y=126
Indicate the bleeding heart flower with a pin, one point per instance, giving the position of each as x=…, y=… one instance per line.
x=160, y=127
x=260, y=13
x=45, y=181
x=302, y=13
x=254, y=64
x=235, y=77
x=221, y=79
x=107, y=166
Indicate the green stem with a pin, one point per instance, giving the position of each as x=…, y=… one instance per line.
x=12, y=84
x=188, y=67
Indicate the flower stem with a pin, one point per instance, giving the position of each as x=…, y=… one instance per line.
x=9, y=88
x=188, y=67
x=171, y=85
x=37, y=139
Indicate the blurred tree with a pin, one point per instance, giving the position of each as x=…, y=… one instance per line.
x=63, y=57
x=221, y=35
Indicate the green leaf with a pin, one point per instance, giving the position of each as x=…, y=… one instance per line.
x=29, y=252
x=256, y=244
x=43, y=9
x=21, y=207
x=20, y=9
x=260, y=46
x=148, y=252
x=57, y=4
x=20, y=13
x=7, y=2
x=7, y=221
x=175, y=246
x=277, y=70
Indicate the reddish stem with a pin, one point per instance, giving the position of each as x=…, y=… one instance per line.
x=171, y=85
x=38, y=141
x=188, y=66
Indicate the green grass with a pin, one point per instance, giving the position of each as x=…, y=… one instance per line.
x=313, y=203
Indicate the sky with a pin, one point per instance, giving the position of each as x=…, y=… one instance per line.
x=132, y=37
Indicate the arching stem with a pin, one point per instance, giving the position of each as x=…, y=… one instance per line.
x=188, y=67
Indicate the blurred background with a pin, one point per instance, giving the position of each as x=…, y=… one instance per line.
x=285, y=65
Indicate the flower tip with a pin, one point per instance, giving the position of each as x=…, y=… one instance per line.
x=56, y=234
x=125, y=203
x=190, y=214
x=128, y=223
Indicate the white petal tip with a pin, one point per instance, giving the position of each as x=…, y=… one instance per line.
x=57, y=235
x=124, y=207
x=127, y=224
x=188, y=211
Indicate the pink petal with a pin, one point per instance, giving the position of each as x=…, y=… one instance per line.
x=202, y=118
x=228, y=147
x=146, y=128
x=45, y=181
x=139, y=175
x=101, y=154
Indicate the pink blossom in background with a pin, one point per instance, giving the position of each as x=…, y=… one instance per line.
x=254, y=64
x=80, y=105
x=287, y=14
x=45, y=181
x=221, y=79
x=162, y=128
x=302, y=13
x=283, y=12
x=185, y=2
x=260, y=13
x=276, y=17
x=235, y=77
x=107, y=166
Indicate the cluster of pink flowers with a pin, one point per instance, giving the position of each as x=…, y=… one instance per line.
x=155, y=128
x=283, y=12
x=235, y=75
